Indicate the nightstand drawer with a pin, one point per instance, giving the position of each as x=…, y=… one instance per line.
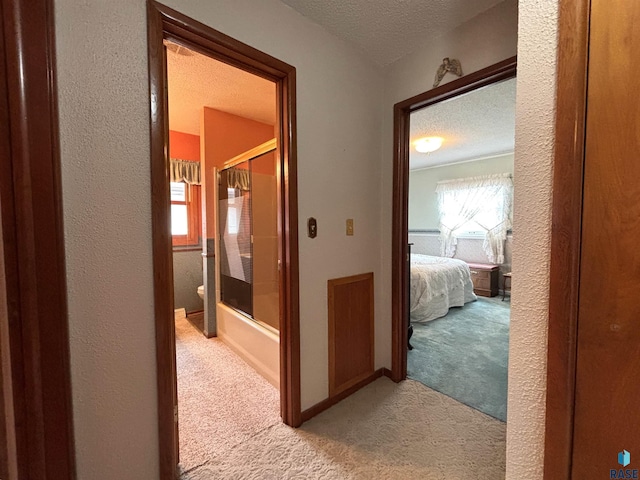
x=479, y=274
x=481, y=281
x=484, y=278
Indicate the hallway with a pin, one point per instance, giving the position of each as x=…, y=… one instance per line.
x=230, y=427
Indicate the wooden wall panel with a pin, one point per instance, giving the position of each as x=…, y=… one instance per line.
x=608, y=369
x=351, y=331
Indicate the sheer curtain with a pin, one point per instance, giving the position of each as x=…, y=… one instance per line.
x=476, y=203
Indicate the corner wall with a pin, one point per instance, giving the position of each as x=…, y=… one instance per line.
x=104, y=131
x=104, y=117
x=535, y=120
x=339, y=131
x=483, y=41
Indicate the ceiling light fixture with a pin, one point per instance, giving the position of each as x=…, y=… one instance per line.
x=428, y=144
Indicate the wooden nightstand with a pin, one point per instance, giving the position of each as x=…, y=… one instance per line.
x=484, y=278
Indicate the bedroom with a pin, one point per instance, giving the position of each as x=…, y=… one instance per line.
x=460, y=211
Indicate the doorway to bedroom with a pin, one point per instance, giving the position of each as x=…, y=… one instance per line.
x=452, y=248
x=460, y=212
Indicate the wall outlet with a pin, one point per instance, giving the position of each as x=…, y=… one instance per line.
x=349, y=226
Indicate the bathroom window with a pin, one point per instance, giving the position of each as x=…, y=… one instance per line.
x=232, y=211
x=185, y=214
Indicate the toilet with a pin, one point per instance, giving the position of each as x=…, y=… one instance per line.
x=201, y=291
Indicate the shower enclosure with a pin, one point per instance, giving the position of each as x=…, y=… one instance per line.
x=248, y=235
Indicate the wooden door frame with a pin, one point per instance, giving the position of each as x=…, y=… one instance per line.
x=566, y=229
x=400, y=227
x=36, y=390
x=166, y=23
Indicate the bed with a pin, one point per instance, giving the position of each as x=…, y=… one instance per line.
x=437, y=284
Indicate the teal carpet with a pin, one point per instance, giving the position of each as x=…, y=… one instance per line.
x=465, y=354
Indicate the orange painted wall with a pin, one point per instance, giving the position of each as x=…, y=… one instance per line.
x=266, y=164
x=184, y=146
x=224, y=136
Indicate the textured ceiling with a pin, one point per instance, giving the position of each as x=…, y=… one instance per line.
x=196, y=81
x=379, y=27
x=475, y=125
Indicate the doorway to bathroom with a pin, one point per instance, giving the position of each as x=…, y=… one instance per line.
x=219, y=116
x=224, y=189
x=223, y=159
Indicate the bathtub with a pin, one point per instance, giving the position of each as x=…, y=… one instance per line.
x=256, y=343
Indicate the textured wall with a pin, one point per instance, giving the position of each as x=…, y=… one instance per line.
x=104, y=131
x=423, y=203
x=104, y=126
x=104, y=117
x=535, y=105
x=339, y=130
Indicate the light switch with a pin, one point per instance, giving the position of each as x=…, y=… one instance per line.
x=349, y=226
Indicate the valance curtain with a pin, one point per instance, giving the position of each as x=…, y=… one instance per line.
x=185, y=171
x=486, y=201
x=238, y=178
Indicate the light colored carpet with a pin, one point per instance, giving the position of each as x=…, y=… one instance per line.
x=222, y=401
x=384, y=431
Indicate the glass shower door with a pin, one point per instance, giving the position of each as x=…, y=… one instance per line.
x=264, y=226
x=248, y=237
x=235, y=231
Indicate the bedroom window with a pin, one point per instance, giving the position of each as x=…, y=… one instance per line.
x=478, y=206
x=185, y=214
x=490, y=213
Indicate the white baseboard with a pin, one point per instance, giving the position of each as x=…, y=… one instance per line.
x=180, y=313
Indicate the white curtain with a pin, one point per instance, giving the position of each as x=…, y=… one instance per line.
x=185, y=171
x=483, y=203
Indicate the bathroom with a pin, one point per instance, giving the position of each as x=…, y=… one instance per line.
x=223, y=168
